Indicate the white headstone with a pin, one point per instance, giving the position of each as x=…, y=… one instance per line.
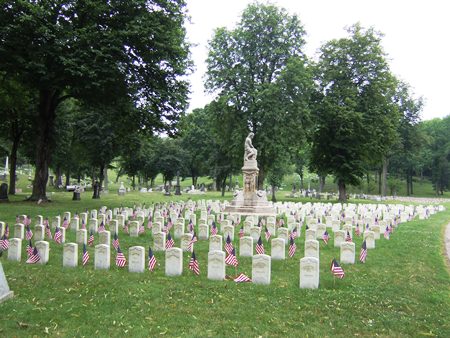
x=93, y=225
x=136, y=257
x=321, y=228
x=114, y=226
x=102, y=259
x=376, y=231
x=15, y=249
x=159, y=241
x=246, y=246
x=216, y=265
x=121, y=220
x=348, y=252
x=156, y=228
x=67, y=215
x=228, y=230
x=255, y=232
x=5, y=292
x=19, y=230
x=105, y=237
x=310, y=235
x=312, y=248
x=309, y=273
x=75, y=224
x=174, y=262
x=56, y=221
x=81, y=236
x=339, y=237
x=369, y=236
x=278, y=248
x=43, y=250
x=261, y=269
x=215, y=243
x=70, y=255
x=39, y=233
x=283, y=233
x=134, y=229
x=178, y=230
x=203, y=231
x=185, y=240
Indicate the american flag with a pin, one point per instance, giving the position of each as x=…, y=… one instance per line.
x=120, y=258
x=193, y=264
x=83, y=225
x=34, y=258
x=326, y=237
x=292, y=247
x=228, y=245
x=214, y=228
x=348, y=238
x=267, y=234
x=151, y=260
x=29, y=233
x=357, y=230
x=192, y=241
x=101, y=228
x=169, y=241
x=336, y=269
x=91, y=238
x=386, y=233
x=85, y=255
x=242, y=278
x=58, y=235
x=65, y=223
x=259, y=246
x=294, y=233
x=46, y=221
x=363, y=253
x=115, y=241
x=4, y=243
x=29, y=249
x=241, y=232
x=231, y=259
x=48, y=231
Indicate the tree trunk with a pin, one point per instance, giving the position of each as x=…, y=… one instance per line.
x=67, y=178
x=224, y=183
x=301, y=181
x=133, y=182
x=58, y=177
x=274, y=198
x=384, y=177
x=342, y=190
x=407, y=185
x=321, y=183
x=105, y=177
x=101, y=175
x=12, y=171
x=48, y=100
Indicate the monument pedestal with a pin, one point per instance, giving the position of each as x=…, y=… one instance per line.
x=5, y=292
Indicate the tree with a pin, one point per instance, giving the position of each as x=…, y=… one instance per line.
x=96, y=51
x=356, y=120
x=262, y=80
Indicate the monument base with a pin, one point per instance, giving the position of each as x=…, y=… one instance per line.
x=250, y=204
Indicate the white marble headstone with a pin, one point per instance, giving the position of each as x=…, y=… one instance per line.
x=136, y=257
x=105, y=237
x=216, y=265
x=134, y=229
x=15, y=249
x=39, y=233
x=309, y=273
x=348, y=252
x=102, y=259
x=70, y=255
x=215, y=243
x=74, y=224
x=228, y=230
x=159, y=241
x=261, y=269
x=81, y=236
x=93, y=225
x=174, y=262
x=5, y=292
x=255, y=232
x=369, y=236
x=339, y=237
x=43, y=248
x=311, y=234
x=278, y=249
x=185, y=240
x=19, y=230
x=246, y=246
x=203, y=231
x=283, y=233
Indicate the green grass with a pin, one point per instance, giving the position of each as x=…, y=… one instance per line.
x=402, y=290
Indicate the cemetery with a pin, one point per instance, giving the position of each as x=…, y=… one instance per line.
x=308, y=197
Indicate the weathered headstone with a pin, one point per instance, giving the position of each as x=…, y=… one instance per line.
x=278, y=249
x=39, y=233
x=178, y=230
x=339, y=237
x=5, y=292
x=185, y=240
x=369, y=236
x=246, y=246
x=309, y=273
x=74, y=224
x=203, y=231
x=348, y=252
x=174, y=262
x=136, y=255
x=56, y=222
x=255, y=232
x=105, y=237
x=43, y=247
x=70, y=255
x=15, y=249
x=134, y=229
x=228, y=230
x=216, y=265
x=93, y=225
x=261, y=269
x=312, y=248
x=81, y=236
x=102, y=259
x=19, y=230
x=215, y=243
x=283, y=233
x=310, y=235
x=114, y=226
x=159, y=241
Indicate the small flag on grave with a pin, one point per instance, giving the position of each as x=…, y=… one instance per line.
x=101, y=228
x=4, y=243
x=267, y=234
x=386, y=233
x=193, y=264
x=348, y=238
x=169, y=242
x=326, y=237
x=91, y=239
x=259, y=247
x=213, y=229
x=65, y=223
x=228, y=245
x=357, y=230
x=29, y=249
x=231, y=259
x=336, y=269
x=34, y=258
x=28, y=233
x=85, y=255
x=115, y=241
x=242, y=278
x=120, y=258
x=58, y=235
x=192, y=241
x=151, y=260
x=363, y=253
x=241, y=232
x=292, y=247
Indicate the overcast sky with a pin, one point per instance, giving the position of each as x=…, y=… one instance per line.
x=416, y=38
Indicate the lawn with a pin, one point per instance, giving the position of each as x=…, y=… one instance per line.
x=402, y=290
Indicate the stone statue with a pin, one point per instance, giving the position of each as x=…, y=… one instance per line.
x=250, y=151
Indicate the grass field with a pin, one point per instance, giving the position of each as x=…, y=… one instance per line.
x=402, y=290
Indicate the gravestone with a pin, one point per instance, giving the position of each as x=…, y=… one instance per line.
x=246, y=246
x=84, y=217
x=335, y=225
x=19, y=230
x=2, y=228
x=283, y=233
x=255, y=232
x=5, y=292
x=309, y=273
x=159, y=241
x=93, y=225
x=68, y=216
x=185, y=240
x=348, y=252
x=63, y=235
x=121, y=220
x=312, y=248
x=43, y=248
x=70, y=255
x=310, y=235
x=81, y=237
x=174, y=262
x=136, y=256
x=56, y=222
x=369, y=236
x=271, y=228
x=74, y=224
x=39, y=233
x=4, y=193
x=102, y=259
x=278, y=249
x=203, y=231
x=15, y=249
x=228, y=230
x=178, y=230
x=247, y=227
x=216, y=265
x=105, y=237
x=376, y=231
x=321, y=228
x=134, y=229
x=339, y=237
x=261, y=269
x=39, y=220
x=215, y=243
x=114, y=226
x=156, y=228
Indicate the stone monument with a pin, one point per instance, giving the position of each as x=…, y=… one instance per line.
x=5, y=292
x=250, y=200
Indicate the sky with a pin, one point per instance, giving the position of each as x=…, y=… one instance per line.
x=416, y=35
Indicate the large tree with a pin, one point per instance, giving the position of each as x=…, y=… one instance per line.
x=356, y=118
x=96, y=51
x=259, y=73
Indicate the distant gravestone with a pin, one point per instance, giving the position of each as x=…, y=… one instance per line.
x=246, y=246
x=5, y=292
x=278, y=248
x=4, y=192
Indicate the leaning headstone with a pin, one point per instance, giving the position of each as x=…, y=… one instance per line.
x=15, y=249
x=203, y=231
x=105, y=237
x=246, y=246
x=309, y=273
x=19, y=230
x=136, y=255
x=102, y=259
x=278, y=249
x=5, y=292
x=81, y=236
x=39, y=233
x=348, y=252
x=312, y=248
x=43, y=248
x=174, y=262
x=159, y=241
x=369, y=236
x=339, y=237
x=261, y=269
x=216, y=265
x=215, y=243
x=70, y=255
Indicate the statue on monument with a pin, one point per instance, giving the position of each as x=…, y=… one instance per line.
x=250, y=151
